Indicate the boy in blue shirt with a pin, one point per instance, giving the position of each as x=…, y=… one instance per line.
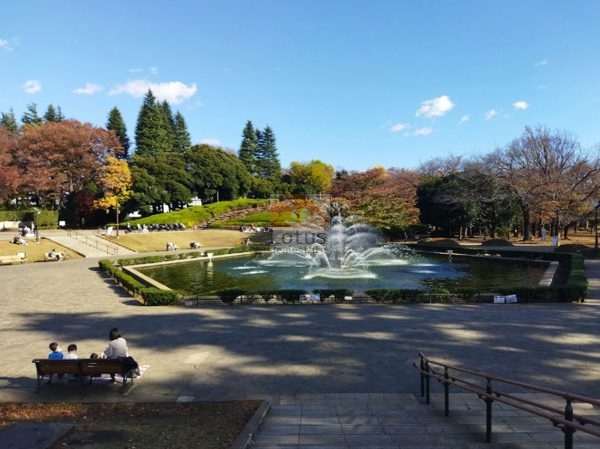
x=56, y=353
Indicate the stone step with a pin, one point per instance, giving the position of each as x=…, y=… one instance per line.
x=395, y=421
x=89, y=245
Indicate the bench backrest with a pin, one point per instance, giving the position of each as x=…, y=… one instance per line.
x=79, y=366
x=100, y=366
x=47, y=366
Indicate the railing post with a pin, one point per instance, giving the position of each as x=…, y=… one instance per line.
x=568, y=430
x=427, y=381
x=446, y=392
x=422, y=363
x=488, y=411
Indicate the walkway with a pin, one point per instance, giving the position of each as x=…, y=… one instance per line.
x=300, y=358
x=87, y=243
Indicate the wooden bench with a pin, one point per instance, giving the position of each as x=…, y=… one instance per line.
x=82, y=368
x=17, y=258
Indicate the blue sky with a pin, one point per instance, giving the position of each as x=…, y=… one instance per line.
x=352, y=83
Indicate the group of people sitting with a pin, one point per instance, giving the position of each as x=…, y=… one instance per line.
x=170, y=246
x=117, y=348
x=55, y=255
x=19, y=240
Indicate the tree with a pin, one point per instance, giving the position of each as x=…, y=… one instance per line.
x=249, y=149
x=154, y=130
x=53, y=114
x=216, y=173
x=160, y=179
x=116, y=123
x=58, y=159
x=31, y=116
x=311, y=177
x=383, y=198
x=9, y=175
x=550, y=176
x=183, y=141
x=267, y=157
x=115, y=184
x=9, y=122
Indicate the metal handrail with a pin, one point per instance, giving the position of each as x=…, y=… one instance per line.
x=566, y=419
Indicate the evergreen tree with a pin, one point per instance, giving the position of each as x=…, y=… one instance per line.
x=268, y=165
x=117, y=124
x=168, y=124
x=53, y=114
x=31, y=116
x=183, y=140
x=9, y=121
x=154, y=129
x=249, y=149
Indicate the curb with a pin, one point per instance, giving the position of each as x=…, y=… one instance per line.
x=249, y=430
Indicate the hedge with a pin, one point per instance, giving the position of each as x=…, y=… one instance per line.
x=151, y=296
x=45, y=219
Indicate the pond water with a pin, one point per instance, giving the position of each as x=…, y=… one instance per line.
x=258, y=273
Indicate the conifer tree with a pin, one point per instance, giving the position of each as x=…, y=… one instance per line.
x=31, y=116
x=53, y=114
x=249, y=149
x=268, y=165
x=9, y=121
x=117, y=124
x=154, y=129
x=183, y=141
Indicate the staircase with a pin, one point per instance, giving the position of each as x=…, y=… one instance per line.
x=88, y=244
x=394, y=421
x=235, y=214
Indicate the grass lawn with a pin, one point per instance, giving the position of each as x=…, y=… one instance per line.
x=34, y=250
x=144, y=242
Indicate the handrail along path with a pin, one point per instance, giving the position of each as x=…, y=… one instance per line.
x=484, y=386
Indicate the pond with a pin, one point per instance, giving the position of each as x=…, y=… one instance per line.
x=259, y=273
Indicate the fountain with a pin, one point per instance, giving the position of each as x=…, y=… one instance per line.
x=317, y=252
x=346, y=251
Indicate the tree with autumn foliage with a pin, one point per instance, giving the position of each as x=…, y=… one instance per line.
x=57, y=160
x=386, y=199
x=9, y=175
x=115, y=183
x=310, y=177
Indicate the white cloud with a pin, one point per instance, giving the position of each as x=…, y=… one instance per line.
x=154, y=70
x=464, y=119
x=211, y=141
x=399, y=127
x=436, y=107
x=174, y=91
x=32, y=86
x=542, y=62
x=521, y=104
x=423, y=131
x=490, y=114
x=88, y=89
x=8, y=45
x=136, y=70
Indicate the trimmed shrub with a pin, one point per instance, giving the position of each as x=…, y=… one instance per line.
x=157, y=297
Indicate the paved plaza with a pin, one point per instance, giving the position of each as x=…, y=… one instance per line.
x=336, y=376
x=237, y=352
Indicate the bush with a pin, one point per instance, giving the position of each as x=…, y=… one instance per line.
x=157, y=297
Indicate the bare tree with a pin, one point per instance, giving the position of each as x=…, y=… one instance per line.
x=550, y=175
